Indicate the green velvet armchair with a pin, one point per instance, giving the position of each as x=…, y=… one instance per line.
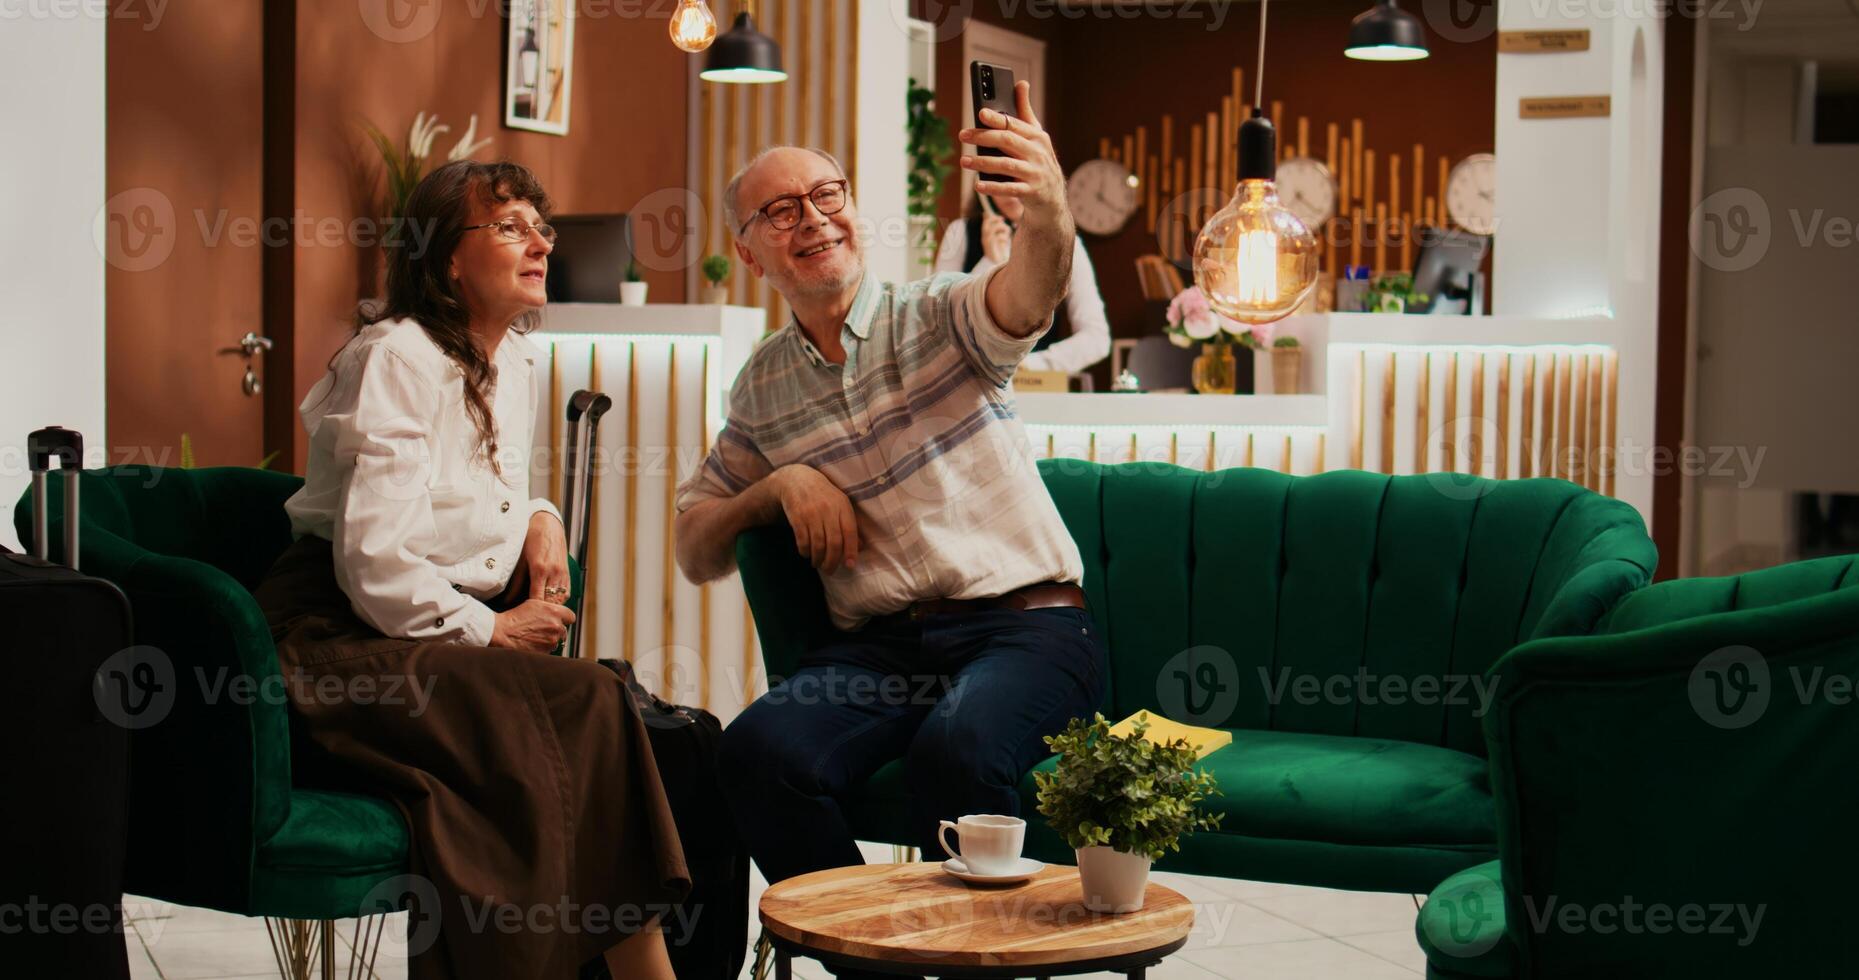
x=1225, y=595
x=1675, y=793
x=216, y=818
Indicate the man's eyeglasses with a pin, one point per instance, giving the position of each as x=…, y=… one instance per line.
x=517, y=230
x=783, y=213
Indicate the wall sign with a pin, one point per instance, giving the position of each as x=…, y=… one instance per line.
x=1565, y=107
x=1542, y=42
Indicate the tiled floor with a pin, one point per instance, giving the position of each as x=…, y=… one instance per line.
x=1242, y=929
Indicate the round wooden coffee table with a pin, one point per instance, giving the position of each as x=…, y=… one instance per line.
x=917, y=919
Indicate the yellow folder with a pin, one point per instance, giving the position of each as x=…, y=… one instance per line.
x=1162, y=731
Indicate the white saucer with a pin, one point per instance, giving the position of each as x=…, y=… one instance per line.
x=1024, y=869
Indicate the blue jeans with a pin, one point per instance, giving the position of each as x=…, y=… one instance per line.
x=965, y=700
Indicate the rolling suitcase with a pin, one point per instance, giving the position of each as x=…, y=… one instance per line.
x=65, y=755
x=708, y=934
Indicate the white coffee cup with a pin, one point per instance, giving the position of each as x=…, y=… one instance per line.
x=990, y=842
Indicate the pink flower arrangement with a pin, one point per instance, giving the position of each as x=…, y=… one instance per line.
x=1191, y=319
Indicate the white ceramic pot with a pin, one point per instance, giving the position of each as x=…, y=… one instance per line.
x=632, y=293
x=1113, y=880
x=715, y=295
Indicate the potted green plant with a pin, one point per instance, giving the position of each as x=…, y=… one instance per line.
x=632, y=290
x=1394, y=294
x=929, y=147
x=1121, y=802
x=715, y=269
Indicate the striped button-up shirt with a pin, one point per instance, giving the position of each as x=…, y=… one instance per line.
x=918, y=428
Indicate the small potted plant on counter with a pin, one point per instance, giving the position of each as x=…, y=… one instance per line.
x=1121, y=801
x=632, y=289
x=715, y=269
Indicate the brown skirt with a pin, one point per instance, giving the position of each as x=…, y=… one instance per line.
x=534, y=803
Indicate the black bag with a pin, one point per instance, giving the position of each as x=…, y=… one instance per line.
x=708, y=934
x=65, y=762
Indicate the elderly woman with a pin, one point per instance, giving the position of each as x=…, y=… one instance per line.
x=416, y=612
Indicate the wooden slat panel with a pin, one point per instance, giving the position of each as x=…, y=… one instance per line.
x=1610, y=437
x=703, y=591
x=1388, y=382
x=1526, y=455
x=1475, y=438
x=1423, y=397
x=1355, y=437
x=1449, y=426
x=1504, y=420
x=1566, y=423
x=1591, y=441
x=590, y=607
x=1578, y=441
x=668, y=615
x=629, y=600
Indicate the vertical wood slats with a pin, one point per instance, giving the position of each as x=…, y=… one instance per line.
x=1566, y=426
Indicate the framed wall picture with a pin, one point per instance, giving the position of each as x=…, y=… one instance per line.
x=539, y=65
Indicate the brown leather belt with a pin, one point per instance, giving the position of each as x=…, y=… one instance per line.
x=1042, y=595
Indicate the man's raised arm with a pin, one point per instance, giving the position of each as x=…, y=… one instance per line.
x=1022, y=296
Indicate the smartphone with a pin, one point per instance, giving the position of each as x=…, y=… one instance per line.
x=992, y=88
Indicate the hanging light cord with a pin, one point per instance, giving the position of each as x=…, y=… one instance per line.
x=1258, y=81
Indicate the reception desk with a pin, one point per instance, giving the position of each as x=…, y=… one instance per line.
x=1498, y=396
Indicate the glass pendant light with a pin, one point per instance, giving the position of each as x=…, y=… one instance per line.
x=692, y=26
x=1254, y=260
x=1385, y=32
x=744, y=54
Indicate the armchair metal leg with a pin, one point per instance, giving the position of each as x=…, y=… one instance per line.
x=763, y=948
x=306, y=949
x=903, y=855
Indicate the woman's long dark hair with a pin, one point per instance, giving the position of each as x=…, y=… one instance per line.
x=419, y=289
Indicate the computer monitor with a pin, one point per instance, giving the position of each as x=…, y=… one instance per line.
x=1446, y=272
x=590, y=257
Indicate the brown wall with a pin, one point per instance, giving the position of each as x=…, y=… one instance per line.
x=1108, y=75
x=626, y=134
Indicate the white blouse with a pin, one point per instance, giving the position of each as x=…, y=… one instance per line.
x=1084, y=305
x=423, y=529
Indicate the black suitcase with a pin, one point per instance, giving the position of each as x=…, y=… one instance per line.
x=708, y=934
x=64, y=741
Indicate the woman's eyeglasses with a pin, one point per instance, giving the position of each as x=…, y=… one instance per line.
x=516, y=230
x=783, y=213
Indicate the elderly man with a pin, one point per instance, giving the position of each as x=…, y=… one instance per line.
x=880, y=424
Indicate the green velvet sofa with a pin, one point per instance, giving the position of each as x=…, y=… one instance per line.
x=1675, y=792
x=1221, y=592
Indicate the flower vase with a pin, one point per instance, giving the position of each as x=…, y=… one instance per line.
x=1287, y=370
x=1216, y=371
x=1113, y=880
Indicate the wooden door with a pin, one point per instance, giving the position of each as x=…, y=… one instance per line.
x=183, y=236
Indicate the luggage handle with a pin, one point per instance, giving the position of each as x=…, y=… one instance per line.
x=68, y=447
x=584, y=411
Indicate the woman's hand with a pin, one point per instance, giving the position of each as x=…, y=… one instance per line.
x=536, y=626
x=545, y=559
x=996, y=238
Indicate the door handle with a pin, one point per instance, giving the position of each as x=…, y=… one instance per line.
x=249, y=345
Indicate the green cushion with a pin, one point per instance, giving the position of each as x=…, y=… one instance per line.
x=1308, y=804
x=330, y=852
x=1462, y=926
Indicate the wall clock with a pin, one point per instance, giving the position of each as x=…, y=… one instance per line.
x=1103, y=194
x=1308, y=189
x=1471, y=194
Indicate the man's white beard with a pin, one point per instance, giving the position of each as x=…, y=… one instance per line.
x=825, y=287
